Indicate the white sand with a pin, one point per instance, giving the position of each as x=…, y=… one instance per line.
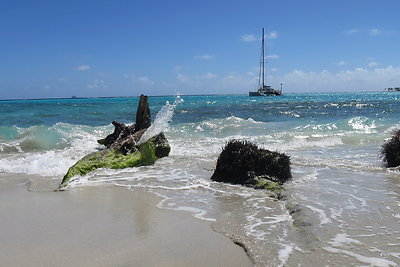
x=104, y=226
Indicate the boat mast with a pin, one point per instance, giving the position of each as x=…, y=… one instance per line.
x=262, y=57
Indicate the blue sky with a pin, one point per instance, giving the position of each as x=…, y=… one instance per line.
x=119, y=48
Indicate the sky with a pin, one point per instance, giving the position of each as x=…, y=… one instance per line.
x=126, y=48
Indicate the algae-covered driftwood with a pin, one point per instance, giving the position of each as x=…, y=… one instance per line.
x=122, y=148
x=242, y=162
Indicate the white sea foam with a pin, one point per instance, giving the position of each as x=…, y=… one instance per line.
x=306, y=141
x=198, y=213
x=362, y=124
x=372, y=261
x=54, y=162
x=284, y=253
x=336, y=214
x=291, y=113
x=49, y=163
x=395, y=254
x=342, y=239
x=321, y=213
x=335, y=163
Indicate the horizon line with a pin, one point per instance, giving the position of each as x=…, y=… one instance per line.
x=172, y=95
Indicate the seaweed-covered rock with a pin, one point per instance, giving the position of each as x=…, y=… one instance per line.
x=242, y=162
x=390, y=150
x=122, y=149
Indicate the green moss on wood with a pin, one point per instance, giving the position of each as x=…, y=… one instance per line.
x=144, y=154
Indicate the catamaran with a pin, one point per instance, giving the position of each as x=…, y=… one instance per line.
x=264, y=90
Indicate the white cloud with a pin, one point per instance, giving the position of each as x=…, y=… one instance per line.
x=97, y=84
x=183, y=78
x=178, y=68
x=358, y=79
x=208, y=76
x=232, y=83
x=237, y=82
x=355, y=79
x=252, y=37
x=272, y=35
x=273, y=56
x=62, y=79
x=248, y=38
x=145, y=80
x=340, y=63
x=195, y=79
x=373, y=64
x=204, y=57
x=375, y=32
x=372, y=32
x=273, y=69
x=350, y=32
x=83, y=67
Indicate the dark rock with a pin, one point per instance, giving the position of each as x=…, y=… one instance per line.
x=242, y=162
x=390, y=150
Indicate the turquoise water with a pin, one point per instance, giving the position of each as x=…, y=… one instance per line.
x=348, y=203
x=99, y=111
x=41, y=118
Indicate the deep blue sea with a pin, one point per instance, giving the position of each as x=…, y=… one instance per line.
x=347, y=204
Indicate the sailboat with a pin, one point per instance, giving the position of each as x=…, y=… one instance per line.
x=264, y=90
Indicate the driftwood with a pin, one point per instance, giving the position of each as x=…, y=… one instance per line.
x=143, y=120
x=125, y=137
x=121, y=149
x=121, y=131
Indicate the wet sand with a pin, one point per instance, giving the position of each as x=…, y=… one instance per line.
x=104, y=226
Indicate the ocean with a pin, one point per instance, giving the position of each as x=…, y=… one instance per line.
x=342, y=206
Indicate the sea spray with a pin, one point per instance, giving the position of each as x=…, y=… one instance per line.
x=163, y=117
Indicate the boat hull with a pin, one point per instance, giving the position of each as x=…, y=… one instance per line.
x=254, y=93
x=266, y=93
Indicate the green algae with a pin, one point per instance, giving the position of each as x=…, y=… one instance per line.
x=142, y=155
x=269, y=185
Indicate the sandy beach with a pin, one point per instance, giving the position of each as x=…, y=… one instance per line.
x=103, y=226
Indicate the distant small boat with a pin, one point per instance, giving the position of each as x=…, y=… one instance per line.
x=393, y=89
x=264, y=90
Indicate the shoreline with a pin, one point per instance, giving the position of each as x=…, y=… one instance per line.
x=103, y=226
